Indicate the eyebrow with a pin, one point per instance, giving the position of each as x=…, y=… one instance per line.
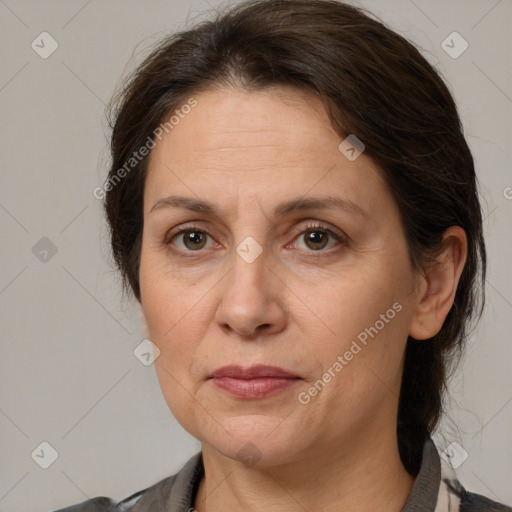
x=283, y=209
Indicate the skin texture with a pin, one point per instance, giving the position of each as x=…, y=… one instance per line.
x=295, y=306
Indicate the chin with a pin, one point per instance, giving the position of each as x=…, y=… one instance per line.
x=255, y=440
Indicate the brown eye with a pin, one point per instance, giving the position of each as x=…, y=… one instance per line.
x=316, y=239
x=194, y=239
x=191, y=239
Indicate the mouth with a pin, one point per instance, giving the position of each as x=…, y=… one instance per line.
x=257, y=381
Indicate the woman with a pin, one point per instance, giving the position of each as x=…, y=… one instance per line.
x=294, y=205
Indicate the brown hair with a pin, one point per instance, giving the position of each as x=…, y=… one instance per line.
x=374, y=84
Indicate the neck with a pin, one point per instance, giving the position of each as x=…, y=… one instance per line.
x=363, y=476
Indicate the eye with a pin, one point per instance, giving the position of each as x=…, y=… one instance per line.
x=316, y=238
x=192, y=239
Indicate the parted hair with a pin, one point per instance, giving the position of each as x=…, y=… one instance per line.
x=374, y=84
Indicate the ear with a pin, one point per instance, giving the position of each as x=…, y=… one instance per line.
x=441, y=280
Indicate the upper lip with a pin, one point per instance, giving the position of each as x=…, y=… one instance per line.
x=259, y=370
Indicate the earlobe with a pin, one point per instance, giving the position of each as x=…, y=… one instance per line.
x=442, y=278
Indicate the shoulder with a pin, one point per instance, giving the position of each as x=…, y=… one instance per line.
x=155, y=494
x=437, y=488
x=472, y=502
x=100, y=504
x=167, y=494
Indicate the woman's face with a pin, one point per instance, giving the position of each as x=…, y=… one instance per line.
x=273, y=273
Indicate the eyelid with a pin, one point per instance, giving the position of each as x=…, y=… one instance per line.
x=323, y=226
x=187, y=227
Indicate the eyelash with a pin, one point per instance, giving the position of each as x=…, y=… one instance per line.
x=342, y=239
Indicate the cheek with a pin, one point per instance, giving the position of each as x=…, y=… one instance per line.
x=368, y=317
x=357, y=302
x=162, y=297
x=175, y=326
x=176, y=316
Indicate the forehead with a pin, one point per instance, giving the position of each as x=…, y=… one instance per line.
x=227, y=119
x=274, y=143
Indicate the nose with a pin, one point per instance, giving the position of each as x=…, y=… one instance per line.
x=251, y=299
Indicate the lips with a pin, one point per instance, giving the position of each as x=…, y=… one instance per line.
x=252, y=372
x=257, y=381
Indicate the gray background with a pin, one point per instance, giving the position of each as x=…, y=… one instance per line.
x=69, y=375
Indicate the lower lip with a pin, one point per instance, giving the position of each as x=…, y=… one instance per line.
x=259, y=387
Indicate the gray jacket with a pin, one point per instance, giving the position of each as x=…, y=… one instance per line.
x=436, y=489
